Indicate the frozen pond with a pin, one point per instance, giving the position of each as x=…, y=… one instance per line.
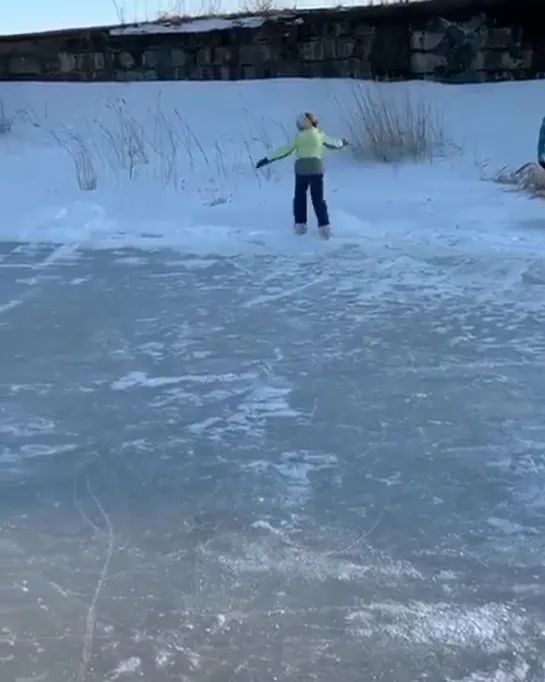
x=269, y=468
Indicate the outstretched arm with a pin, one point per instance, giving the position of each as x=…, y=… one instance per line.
x=333, y=143
x=283, y=152
x=277, y=155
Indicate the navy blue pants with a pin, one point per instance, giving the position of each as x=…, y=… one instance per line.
x=316, y=185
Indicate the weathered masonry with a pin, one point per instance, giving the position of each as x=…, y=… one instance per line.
x=446, y=40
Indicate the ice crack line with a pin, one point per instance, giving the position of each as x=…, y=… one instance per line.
x=90, y=620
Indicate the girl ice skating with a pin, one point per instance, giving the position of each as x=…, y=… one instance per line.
x=308, y=146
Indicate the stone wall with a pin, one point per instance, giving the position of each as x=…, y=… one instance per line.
x=445, y=40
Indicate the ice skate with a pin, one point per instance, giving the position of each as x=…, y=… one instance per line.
x=325, y=231
x=300, y=228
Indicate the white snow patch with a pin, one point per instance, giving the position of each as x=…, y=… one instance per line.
x=42, y=450
x=137, y=378
x=518, y=671
x=204, y=25
x=492, y=628
x=24, y=426
x=134, y=379
x=294, y=471
x=10, y=305
x=130, y=666
x=298, y=561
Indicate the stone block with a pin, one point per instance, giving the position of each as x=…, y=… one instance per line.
x=481, y=76
x=312, y=51
x=344, y=48
x=514, y=61
x=268, y=70
x=151, y=59
x=358, y=68
x=178, y=57
x=362, y=47
x=202, y=72
x=179, y=73
x=286, y=69
x=470, y=76
x=204, y=56
x=333, y=69
x=426, y=41
x=24, y=66
x=98, y=59
x=479, y=61
x=457, y=31
x=267, y=53
x=499, y=38
x=126, y=60
x=363, y=31
x=67, y=62
x=390, y=54
x=518, y=59
x=423, y=63
x=329, y=30
x=329, y=48
x=249, y=72
x=250, y=54
x=10, y=49
x=89, y=61
x=82, y=63
x=221, y=55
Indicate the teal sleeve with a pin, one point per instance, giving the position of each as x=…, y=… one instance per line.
x=541, y=142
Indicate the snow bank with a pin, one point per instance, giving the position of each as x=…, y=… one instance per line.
x=172, y=165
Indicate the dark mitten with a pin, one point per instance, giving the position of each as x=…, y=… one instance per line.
x=262, y=162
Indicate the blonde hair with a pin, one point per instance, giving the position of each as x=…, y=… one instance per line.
x=307, y=120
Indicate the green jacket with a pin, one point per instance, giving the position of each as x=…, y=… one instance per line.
x=308, y=146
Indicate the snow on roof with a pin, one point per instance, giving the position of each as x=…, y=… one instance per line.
x=204, y=25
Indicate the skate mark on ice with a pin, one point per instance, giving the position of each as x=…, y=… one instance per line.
x=287, y=293
x=90, y=620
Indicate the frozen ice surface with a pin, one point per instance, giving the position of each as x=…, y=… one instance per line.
x=228, y=454
x=196, y=486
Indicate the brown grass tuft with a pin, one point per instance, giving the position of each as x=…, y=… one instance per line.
x=529, y=178
x=387, y=126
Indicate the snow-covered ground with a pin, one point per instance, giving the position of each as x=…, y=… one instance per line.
x=228, y=453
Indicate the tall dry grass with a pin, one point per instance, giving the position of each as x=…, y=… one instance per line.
x=387, y=126
x=161, y=146
x=77, y=149
x=172, y=10
x=382, y=125
x=188, y=9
